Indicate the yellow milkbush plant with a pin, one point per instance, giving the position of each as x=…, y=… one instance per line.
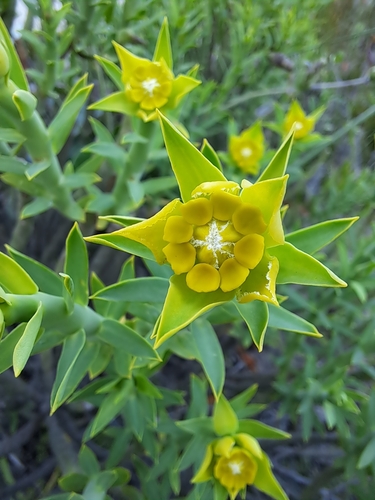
x=224, y=241
x=145, y=85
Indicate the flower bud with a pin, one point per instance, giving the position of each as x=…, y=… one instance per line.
x=4, y=61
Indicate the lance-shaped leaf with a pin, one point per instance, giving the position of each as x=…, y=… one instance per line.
x=225, y=420
x=68, y=292
x=300, y=268
x=163, y=49
x=75, y=374
x=255, y=315
x=62, y=124
x=13, y=165
x=265, y=481
x=117, y=102
x=135, y=290
x=72, y=347
x=183, y=305
x=36, y=207
x=210, y=355
x=34, y=169
x=313, y=238
x=11, y=135
x=76, y=265
x=17, y=73
x=260, y=430
x=25, y=103
x=7, y=346
x=26, y=343
x=122, y=337
x=279, y=162
x=208, y=151
x=112, y=70
x=15, y=279
x=285, y=320
x=190, y=166
x=45, y=279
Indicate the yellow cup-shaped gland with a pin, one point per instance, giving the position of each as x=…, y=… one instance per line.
x=150, y=86
x=177, y=230
x=248, y=219
x=236, y=470
x=203, y=278
x=224, y=204
x=181, y=256
x=232, y=275
x=197, y=212
x=249, y=250
x=4, y=61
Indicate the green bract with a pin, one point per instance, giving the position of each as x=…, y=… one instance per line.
x=144, y=85
x=224, y=242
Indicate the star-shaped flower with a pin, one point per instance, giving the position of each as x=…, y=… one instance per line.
x=145, y=85
x=247, y=149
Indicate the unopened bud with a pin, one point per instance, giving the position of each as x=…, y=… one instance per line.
x=4, y=61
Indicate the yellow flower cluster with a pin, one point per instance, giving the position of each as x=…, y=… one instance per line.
x=217, y=238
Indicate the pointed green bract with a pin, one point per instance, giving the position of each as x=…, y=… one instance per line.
x=279, y=162
x=14, y=278
x=163, y=49
x=208, y=151
x=190, y=166
x=210, y=354
x=26, y=343
x=255, y=315
x=225, y=420
x=25, y=103
x=112, y=70
x=300, y=268
x=115, y=240
x=313, y=238
x=285, y=320
x=261, y=431
x=7, y=346
x=183, y=305
x=17, y=73
x=265, y=481
x=117, y=102
x=76, y=265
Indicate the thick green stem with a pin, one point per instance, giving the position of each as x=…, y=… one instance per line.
x=136, y=162
x=40, y=149
x=55, y=316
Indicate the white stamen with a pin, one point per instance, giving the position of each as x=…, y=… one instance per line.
x=150, y=85
x=214, y=241
x=246, y=152
x=235, y=467
x=298, y=125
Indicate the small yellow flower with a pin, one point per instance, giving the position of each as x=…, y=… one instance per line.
x=247, y=149
x=238, y=461
x=303, y=124
x=144, y=85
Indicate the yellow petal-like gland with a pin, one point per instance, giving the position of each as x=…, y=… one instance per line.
x=249, y=250
x=224, y=446
x=249, y=443
x=201, y=232
x=206, y=256
x=203, y=278
x=230, y=234
x=177, y=230
x=232, y=275
x=236, y=471
x=248, y=219
x=197, y=211
x=207, y=188
x=181, y=256
x=224, y=204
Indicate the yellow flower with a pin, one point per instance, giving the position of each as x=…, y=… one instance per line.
x=237, y=461
x=247, y=148
x=144, y=85
x=303, y=124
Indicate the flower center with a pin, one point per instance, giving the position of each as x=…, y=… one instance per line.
x=246, y=152
x=214, y=241
x=150, y=85
x=298, y=125
x=235, y=467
